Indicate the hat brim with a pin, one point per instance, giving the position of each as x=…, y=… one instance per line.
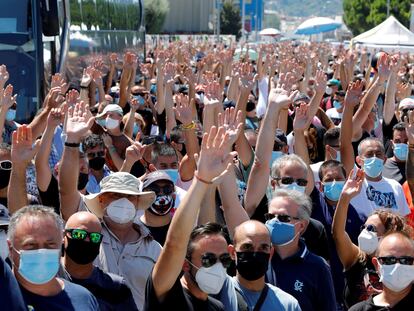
x=146, y=198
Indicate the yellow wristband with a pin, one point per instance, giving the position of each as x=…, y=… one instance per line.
x=190, y=126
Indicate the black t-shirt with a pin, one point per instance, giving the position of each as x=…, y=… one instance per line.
x=394, y=170
x=159, y=233
x=50, y=197
x=316, y=239
x=178, y=298
x=404, y=305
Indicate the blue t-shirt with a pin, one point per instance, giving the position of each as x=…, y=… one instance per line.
x=73, y=297
x=10, y=296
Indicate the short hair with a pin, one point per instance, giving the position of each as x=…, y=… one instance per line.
x=331, y=164
x=285, y=160
x=176, y=134
x=302, y=200
x=370, y=139
x=399, y=127
x=393, y=222
x=33, y=211
x=331, y=136
x=210, y=228
x=162, y=149
x=91, y=141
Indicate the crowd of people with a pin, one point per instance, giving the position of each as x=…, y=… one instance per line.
x=197, y=180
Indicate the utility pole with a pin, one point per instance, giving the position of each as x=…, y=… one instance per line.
x=388, y=8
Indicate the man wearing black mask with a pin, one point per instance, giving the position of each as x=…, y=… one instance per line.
x=94, y=148
x=252, y=251
x=81, y=246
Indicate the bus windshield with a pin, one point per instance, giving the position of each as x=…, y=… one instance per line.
x=15, y=22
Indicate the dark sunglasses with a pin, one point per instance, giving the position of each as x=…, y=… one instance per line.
x=390, y=260
x=200, y=92
x=281, y=217
x=167, y=189
x=148, y=140
x=6, y=165
x=406, y=110
x=289, y=180
x=80, y=234
x=370, y=228
x=92, y=155
x=210, y=259
x=139, y=94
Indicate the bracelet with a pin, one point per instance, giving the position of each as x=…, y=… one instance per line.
x=202, y=180
x=74, y=145
x=84, y=87
x=111, y=148
x=410, y=145
x=190, y=126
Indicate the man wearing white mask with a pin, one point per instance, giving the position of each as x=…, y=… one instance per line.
x=394, y=262
x=125, y=245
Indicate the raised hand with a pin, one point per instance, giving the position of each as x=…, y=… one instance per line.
x=320, y=82
x=169, y=71
x=383, y=68
x=353, y=185
x=409, y=126
x=246, y=80
x=214, y=160
x=72, y=97
x=301, y=120
x=231, y=121
x=353, y=94
x=281, y=96
x=87, y=76
x=212, y=94
x=4, y=76
x=23, y=150
x=135, y=152
x=182, y=110
x=6, y=98
x=79, y=121
x=113, y=58
x=97, y=77
x=107, y=139
x=56, y=116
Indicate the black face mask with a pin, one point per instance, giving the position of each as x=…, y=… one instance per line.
x=97, y=163
x=252, y=265
x=4, y=178
x=82, y=252
x=250, y=106
x=82, y=180
x=183, y=150
x=162, y=206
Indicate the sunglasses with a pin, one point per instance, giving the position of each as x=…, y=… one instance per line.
x=280, y=217
x=391, y=260
x=139, y=94
x=99, y=154
x=406, y=110
x=79, y=234
x=370, y=228
x=6, y=165
x=167, y=189
x=290, y=180
x=148, y=140
x=210, y=259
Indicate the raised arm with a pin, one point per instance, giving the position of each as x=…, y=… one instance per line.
x=113, y=58
x=129, y=126
x=347, y=251
x=79, y=121
x=6, y=102
x=213, y=163
x=22, y=153
x=409, y=166
x=390, y=91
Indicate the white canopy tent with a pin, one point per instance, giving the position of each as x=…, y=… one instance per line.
x=389, y=36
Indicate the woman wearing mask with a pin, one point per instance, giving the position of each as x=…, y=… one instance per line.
x=361, y=279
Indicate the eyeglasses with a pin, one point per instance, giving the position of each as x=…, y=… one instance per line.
x=6, y=165
x=370, y=228
x=167, y=189
x=210, y=259
x=98, y=154
x=406, y=110
x=139, y=94
x=80, y=234
x=280, y=217
x=391, y=260
x=148, y=140
x=289, y=180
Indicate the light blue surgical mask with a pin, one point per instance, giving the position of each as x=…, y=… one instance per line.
x=140, y=99
x=338, y=156
x=101, y=122
x=281, y=233
x=137, y=128
x=293, y=186
x=373, y=166
x=11, y=115
x=275, y=155
x=39, y=266
x=173, y=173
x=332, y=189
x=153, y=89
x=337, y=104
x=401, y=151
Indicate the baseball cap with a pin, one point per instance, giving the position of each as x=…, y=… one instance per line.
x=334, y=82
x=301, y=97
x=111, y=108
x=280, y=137
x=155, y=176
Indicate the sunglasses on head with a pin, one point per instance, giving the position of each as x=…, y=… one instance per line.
x=6, y=165
x=80, y=234
x=280, y=217
x=92, y=155
x=167, y=189
x=406, y=110
x=391, y=260
x=370, y=228
x=210, y=259
x=290, y=180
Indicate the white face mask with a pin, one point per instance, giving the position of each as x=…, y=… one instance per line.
x=4, y=248
x=121, y=211
x=111, y=123
x=368, y=241
x=396, y=277
x=210, y=280
x=293, y=186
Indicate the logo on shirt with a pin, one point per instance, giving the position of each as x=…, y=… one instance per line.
x=386, y=199
x=298, y=286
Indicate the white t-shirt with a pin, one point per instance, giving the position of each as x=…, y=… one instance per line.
x=386, y=193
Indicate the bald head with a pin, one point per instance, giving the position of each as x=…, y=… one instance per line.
x=84, y=220
x=396, y=244
x=251, y=233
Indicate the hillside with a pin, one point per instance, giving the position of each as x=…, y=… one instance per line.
x=303, y=8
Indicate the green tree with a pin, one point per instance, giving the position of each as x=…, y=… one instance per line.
x=155, y=14
x=362, y=15
x=230, y=20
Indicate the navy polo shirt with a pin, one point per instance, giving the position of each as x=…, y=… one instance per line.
x=306, y=277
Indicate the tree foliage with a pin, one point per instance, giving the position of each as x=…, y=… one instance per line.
x=230, y=20
x=155, y=14
x=362, y=15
